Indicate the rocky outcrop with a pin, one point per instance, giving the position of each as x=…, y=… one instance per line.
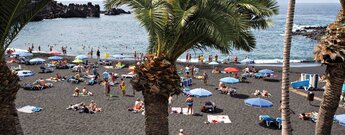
x=311, y=32
x=116, y=11
x=58, y=10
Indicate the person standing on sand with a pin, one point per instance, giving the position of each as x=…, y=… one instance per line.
x=216, y=58
x=106, y=88
x=209, y=58
x=91, y=53
x=187, y=57
x=98, y=53
x=51, y=48
x=122, y=87
x=135, y=55
x=205, y=78
x=189, y=102
x=39, y=48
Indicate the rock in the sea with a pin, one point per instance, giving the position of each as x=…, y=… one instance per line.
x=116, y=11
x=311, y=32
x=58, y=10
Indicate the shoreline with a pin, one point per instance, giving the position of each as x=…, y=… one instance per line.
x=257, y=62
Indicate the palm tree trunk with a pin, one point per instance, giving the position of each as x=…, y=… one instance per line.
x=156, y=114
x=8, y=90
x=335, y=75
x=286, y=123
x=157, y=78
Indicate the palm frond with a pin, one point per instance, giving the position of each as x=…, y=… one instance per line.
x=14, y=15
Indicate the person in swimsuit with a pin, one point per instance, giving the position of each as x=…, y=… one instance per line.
x=189, y=102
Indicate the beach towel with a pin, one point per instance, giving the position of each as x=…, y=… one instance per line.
x=109, y=67
x=178, y=110
x=218, y=119
x=29, y=109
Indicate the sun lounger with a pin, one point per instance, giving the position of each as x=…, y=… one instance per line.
x=178, y=110
x=127, y=76
x=267, y=119
x=218, y=119
x=109, y=67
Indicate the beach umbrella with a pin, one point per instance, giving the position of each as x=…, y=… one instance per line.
x=343, y=88
x=55, y=58
x=247, y=61
x=77, y=61
x=54, y=52
x=25, y=54
x=82, y=57
x=118, y=57
x=340, y=119
x=266, y=71
x=37, y=60
x=258, y=102
x=229, y=80
x=231, y=69
x=200, y=92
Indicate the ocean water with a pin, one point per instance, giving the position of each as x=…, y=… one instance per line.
x=123, y=34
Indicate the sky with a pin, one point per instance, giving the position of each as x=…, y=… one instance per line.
x=280, y=1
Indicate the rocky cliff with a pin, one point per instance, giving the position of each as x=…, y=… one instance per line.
x=58, y=10
x=116, y=11
x=311, y=32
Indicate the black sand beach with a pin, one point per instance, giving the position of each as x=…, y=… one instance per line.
x=115, y=119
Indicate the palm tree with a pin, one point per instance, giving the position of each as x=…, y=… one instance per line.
x=175, y=26
x=286, y=123
x=14, y=15
x=331, y=52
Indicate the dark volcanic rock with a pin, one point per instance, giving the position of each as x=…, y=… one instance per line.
x=311, y=32
x=116, y=11
x=58, y=10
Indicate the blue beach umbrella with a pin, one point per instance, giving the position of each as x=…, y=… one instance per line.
x=229, y=80
x=81, y=57
x=37, y=60
x=25, y=54
x=340, y=119
x=266, y=71
x=55, y=58
x=200, y=92
x=258, y=102
x=343, y=88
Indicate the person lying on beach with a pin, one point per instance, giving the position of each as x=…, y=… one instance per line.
x=75, y=107
x=216, y=70
x=257, y=93
x=86, y=92
x=42, y=82
x=93, y=107
x=76, y=92
x=138, y=106
x=265, y=93
x=306, y=116
x=84, y=109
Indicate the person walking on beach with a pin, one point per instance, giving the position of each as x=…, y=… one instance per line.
x=122, y=87
x=209, y=58
x=51, y=48
x=190, y=58
x=91, y=52
x=98, y=53
x=187, y=57
x=202, y=59
x=106, y=88
x=135, y=55
x=216, y=58
x=32, y=46
x=205, y=78
x=189, y=102
x=39, y=48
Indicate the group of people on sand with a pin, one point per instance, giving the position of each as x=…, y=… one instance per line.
x=84, y=92
x=264, y=93
x=82, y=108
x=225, y=89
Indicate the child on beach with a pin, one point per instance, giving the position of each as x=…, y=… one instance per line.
x=76, y=92
x=189, y=102
x=122, y=87
x=205, y=78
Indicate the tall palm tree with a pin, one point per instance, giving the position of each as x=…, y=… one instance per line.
x=14, y=15
x=331, y=52
x=286, y=123
x=175, y=26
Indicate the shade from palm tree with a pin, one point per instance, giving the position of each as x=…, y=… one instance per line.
x=14, y=15
x=174, y=26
